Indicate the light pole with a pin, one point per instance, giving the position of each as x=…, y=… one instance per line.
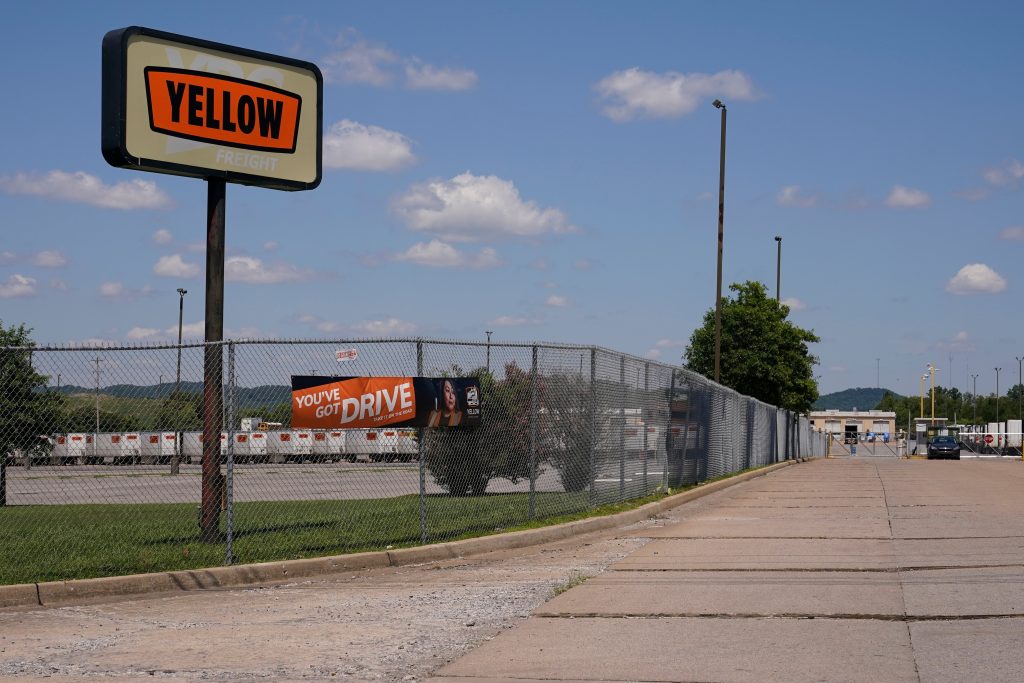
x=997, y=398
x=921, y=411
x=932, y=369
x=778, y=268
x=1020, y=390
x=721, y=229
x=176, y=459
x=974, y=397
x=488, y=333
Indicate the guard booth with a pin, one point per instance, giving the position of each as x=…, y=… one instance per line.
x=927, y=427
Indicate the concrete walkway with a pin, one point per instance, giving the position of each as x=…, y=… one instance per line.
x=834, y=570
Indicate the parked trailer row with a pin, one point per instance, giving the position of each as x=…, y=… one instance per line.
x=153, y=448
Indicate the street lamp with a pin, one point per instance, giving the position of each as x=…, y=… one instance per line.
x=721, y=227
x=974, y=397
x=175, y=459
x=778, y=268
x=932, y=369
x=997, y=398
x=1020, y=390
x=921, y=411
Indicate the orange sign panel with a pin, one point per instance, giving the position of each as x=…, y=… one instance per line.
x=357, y=402
x=208, y=107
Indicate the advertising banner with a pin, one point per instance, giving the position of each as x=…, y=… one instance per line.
x=370, y=402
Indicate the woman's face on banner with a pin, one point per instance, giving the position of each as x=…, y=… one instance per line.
x=450, y=401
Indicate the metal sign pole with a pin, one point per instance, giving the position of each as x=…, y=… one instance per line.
x=213, y=380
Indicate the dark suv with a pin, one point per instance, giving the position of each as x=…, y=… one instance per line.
x=944, y=447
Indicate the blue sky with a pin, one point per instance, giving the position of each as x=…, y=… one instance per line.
x=549, y=171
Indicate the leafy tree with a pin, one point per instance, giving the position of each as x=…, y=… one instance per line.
x=763, y=354
x=26, y=410
x=463, y=460
x=565, y=428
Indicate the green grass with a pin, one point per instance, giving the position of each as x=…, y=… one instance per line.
x=54, y=543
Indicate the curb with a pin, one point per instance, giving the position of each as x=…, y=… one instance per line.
x=79, y=591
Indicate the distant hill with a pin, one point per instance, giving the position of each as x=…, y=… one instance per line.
x=852, y=399
x=248, y=397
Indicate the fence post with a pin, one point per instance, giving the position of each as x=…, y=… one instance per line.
x=533, y=436
x=669, y=440
x=622, y=428
x=423, y=463
x=593, y=424
x=3, y=476
x=229, y=555
x=643, y=419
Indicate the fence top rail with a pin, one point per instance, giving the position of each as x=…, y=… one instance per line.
x=688, y=376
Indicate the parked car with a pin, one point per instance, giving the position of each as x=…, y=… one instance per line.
x=944, y=447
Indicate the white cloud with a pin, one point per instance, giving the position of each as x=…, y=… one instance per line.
x=420, y=76
x=195, y=330
x=17, y=286
x=634, y=93
x=162, y=237
x=1009, y=173
x=513, y=321
x=960, y=343
x=976, y=278
x=358, y=61
x=794, y=304
x=1014, y=233
x=270, y=246
x=7, y=258
x=49, y=259
x=557, y=301
x=253, y=271
x=87, y=189
x=111, y=289
x=653, y=354
x=901, y=197
x=468, y=208
x=390, y=326
x=137, y=333
x=441, y=255
x=174, y=266
x=352, y=145
x=791, y=196
x=668, y=344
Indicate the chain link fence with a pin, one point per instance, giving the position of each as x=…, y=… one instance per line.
x=101, y=450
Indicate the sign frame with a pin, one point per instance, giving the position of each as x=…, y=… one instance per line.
x=114, y=117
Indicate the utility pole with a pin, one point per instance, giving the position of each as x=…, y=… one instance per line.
x=997, y=397
x=974, y=398
x=488, y=333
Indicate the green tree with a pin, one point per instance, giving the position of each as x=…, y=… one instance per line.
x=763, y=354
x=463, y=460
x=27, y=411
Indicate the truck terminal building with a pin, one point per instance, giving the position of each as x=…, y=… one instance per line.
x=878, y=422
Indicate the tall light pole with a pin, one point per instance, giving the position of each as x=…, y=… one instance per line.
x=974, y=397
x=488, y=333
x=1020, y=390
x=932, y=369
x=997, y=398
x=721, y=231
x=778, y=268
x=175, y=459
x=921, y=411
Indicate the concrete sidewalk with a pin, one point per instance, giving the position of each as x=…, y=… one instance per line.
x=835, y=570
